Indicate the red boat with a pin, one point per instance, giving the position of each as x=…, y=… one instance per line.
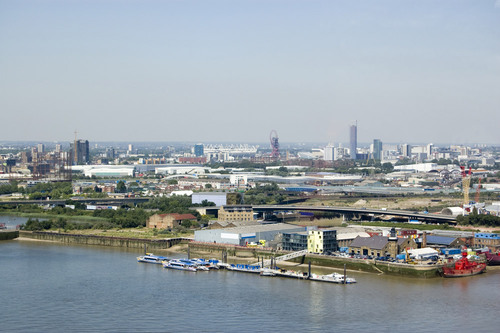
x=492, y=258
x=464, y=267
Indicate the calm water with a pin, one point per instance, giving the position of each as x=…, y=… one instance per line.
x=47, y=287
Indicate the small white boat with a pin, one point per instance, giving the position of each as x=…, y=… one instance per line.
x=179, y=265
x=291, y=274
x=151, y=258
x=332, y=278
x=267, y=272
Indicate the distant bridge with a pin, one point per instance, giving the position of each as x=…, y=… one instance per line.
x=411, y=215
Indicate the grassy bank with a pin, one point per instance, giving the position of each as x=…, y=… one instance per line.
x=139, y=233
x=47, y=216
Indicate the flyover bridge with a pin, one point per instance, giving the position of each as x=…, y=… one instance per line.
x=411, y=215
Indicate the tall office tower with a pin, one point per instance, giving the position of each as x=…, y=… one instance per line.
x=198, y=150
x=130, y=148
x=58, y=147
x=329, y=153
x=406, y=150
x=80, y=150
x=377, y=149
x=41, y=148
x=353, y=143
x=430, y=149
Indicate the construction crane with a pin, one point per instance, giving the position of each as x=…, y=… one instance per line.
x=478, y=190
x=466, y=184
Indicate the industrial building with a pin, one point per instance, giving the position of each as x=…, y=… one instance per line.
x=247, y=234
x=218, y=198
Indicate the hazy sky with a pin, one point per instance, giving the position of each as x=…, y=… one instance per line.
x=407, y=71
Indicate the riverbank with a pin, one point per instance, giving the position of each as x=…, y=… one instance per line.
x=139, y=243
x=253, y=255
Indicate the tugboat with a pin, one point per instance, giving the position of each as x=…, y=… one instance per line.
x=463, y=267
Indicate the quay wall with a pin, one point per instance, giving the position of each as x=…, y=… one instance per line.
x=103, y=240
x=371, y=266
x=8, y=235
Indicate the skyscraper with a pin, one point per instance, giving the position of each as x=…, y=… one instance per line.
x=80, y=150
x=406, y=150
x=199, y=150
x=377, y=149
x=353, y=143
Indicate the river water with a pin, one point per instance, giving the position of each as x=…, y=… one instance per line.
x=51, y=287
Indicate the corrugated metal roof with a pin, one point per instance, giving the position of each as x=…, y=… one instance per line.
x=440, y=240
x=374, y=242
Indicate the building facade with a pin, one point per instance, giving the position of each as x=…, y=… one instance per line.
x=490, y=240
x=322, y=241
x=236, y=213
x=294, y=241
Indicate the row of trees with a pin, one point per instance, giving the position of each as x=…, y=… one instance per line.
x=56, y=190
x=479, y=220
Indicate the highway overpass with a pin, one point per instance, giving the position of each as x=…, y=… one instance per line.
x=410, y=215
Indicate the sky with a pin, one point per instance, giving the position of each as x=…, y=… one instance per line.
x=234, y=70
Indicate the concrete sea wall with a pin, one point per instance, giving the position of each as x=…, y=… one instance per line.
x=8, y=235
x=102, y=240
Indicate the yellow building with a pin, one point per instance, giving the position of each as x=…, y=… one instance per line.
x=322, y=241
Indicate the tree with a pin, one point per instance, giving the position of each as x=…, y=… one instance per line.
x=186, y=223
x=121, y=187
x=387, y=167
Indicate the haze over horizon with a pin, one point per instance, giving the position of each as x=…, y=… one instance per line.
x=225, y=71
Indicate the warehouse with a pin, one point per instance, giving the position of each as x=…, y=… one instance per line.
x=246, y=234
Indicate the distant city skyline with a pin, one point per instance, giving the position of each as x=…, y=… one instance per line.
x=220, y=71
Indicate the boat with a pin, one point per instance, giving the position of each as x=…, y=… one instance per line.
x=463, y=267
x=267, y=272
x=244, y=268
x=332, y=278
x=291, y=274
x=3, y=226
x=493, y=259
x=196, y=263
x=179, y=265
x=151, y=258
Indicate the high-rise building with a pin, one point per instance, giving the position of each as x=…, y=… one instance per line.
x=377, y=149
x=406, y=150
x=198, y=150
x=353, y=142
x=329, y=153
x=80, y=151
x=41, y=148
